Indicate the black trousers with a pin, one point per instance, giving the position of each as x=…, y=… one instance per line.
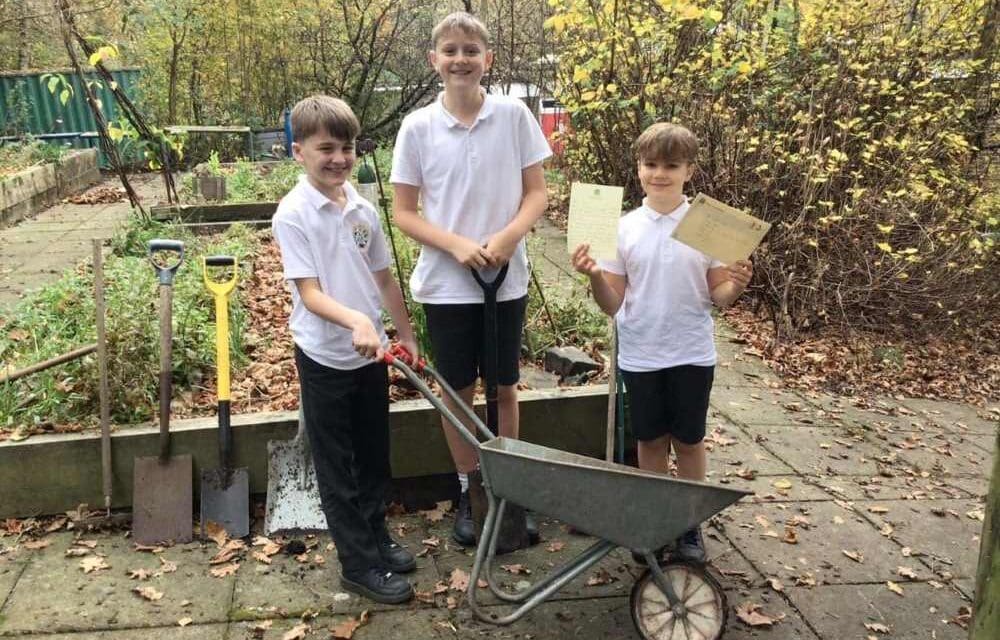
x=347, y=421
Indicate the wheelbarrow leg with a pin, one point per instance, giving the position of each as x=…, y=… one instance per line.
x=538, y=593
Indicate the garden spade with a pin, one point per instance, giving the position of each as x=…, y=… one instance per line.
x=293, y=502
x=225, y=491
x=162, y=484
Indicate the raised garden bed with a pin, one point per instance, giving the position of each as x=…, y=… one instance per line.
x=35, y=188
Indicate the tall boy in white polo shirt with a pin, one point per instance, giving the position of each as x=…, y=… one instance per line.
x=335, y=256
x=661, y=292
x=475, y=161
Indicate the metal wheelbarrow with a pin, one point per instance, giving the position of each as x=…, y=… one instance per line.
x=623, y=506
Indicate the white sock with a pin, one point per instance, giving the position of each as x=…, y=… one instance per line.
x=463, y=481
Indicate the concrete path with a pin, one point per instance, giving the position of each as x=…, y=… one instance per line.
x=35, y=251
x=862, y=519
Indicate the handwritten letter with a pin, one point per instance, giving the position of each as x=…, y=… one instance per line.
x=720, y=231
x=594, y=211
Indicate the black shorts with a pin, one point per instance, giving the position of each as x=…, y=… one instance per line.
x=456, y=333
x=671, y=401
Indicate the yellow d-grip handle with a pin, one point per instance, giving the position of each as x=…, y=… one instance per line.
x=221, y=291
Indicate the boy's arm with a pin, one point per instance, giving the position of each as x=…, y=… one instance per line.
x=726, y=283
x=404, y=212
x=534, y=200
x=392, y=300
x=366, y=341
x=608, y=288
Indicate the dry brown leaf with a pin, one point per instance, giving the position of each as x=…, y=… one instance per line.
x=782, y=485
x=147, y=547
x=451, y=602
x=89, y=544
x=216, y=532
x=433, y=541
x=555, y=546
x=297, y=632
x=261, y=557
x=166, y=566
x=440, y=587
x=139, y=574
x=878, y=510
x=877, y=627
x=750, y=614
x=258, y=629
x=459, y=580
x=271, y=548
x=148, y=593
x=437, y=513
x=225, y=570
x=345, y=630
x=482, y=584
x=906, y=551
x=93, y=563
x=790, y=537
x=895, y=588
x=601, y=576
x=516, y=569
x=183, y=622
x=854, y=555
x=776, y=584
x=56, y=525
x=77, y=553
x=37, y=544
x=907, y=572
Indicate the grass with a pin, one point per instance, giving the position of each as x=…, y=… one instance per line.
x=18, y=156
x=61, y=317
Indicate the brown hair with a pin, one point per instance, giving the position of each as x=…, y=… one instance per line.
x=324, y=113
x=460, y=21
x=666, y=141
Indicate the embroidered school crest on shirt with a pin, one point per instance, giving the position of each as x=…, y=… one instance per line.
x=362, y=234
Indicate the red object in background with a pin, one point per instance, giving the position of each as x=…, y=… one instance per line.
x=554, y=119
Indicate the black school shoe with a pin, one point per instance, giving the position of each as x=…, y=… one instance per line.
x=395, y=557
x=379, y=585
x=464, y=531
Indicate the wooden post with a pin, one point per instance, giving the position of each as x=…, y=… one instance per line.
x=986, y=605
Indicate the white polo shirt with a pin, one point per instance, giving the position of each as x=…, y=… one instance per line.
x=666, y=317
x=341, y=248
x=470, y=184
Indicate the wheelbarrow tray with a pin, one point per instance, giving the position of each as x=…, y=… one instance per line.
x=632, y=508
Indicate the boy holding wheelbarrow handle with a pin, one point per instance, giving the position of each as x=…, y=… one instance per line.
x=474, y=162
x=660, y=293
x=335, y=256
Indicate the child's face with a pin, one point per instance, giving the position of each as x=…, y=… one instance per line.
x=664, y=179
x=327, y=160
x=460, y=59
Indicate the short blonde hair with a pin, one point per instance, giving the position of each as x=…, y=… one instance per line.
x=324, y=113
x=666, y=141
x=460, y=21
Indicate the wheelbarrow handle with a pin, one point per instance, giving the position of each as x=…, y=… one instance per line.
x=166, y=272
x=438, y=404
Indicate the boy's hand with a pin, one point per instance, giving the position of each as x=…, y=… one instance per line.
x=582, y=261
x=365, y=339
x=739, y=273
x=500, y=248
x=470, y=253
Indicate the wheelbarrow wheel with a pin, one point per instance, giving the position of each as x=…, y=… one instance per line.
x=702, y=617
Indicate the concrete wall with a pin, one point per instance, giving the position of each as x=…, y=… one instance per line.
x=55, y=473
x=34, y=189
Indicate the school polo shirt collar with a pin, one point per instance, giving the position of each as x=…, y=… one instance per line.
x=485, y=111
x=317, y=200
x=675, y=215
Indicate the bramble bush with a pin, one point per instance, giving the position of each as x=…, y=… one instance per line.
x=851, y=125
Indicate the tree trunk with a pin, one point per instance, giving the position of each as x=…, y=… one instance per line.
x=175, y=52
x=986, y=607
x=23, y=49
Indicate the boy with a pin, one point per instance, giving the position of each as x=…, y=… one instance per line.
x=335, y=256
x=476, y=161
x=661, y=293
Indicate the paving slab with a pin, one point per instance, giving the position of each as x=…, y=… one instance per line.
x=12, y=565
x=898, y=487
x=975, y=487
x=292, y=586
x=841, y=611
x=953, y=415
x=942, y=454
x=825, y=531
x=778, y=488
x=55, y=595
x=824, y=451
x=758, y=406
x=190, y=632
x=942, y=533
x=890, y=415
x=731, y=453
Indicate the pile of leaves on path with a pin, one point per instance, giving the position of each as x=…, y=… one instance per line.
x=958, y=367
x=103, y=194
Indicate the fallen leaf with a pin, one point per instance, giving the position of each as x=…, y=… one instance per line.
x=148, y=548
x=459, y=580
x=437, y=514
x=318, y=559
x=906, y=572
x=139, y=574
x=297, y=632
x=148, y=593
x=895, y=588
x=782, y=485
x=790, y=537
x=555, y=546
x=854, y=555
x=516, y=569
x=906, y=551
x=345, y=630
x=433, y=541
x=37, y=544
x=601, y=576
x=225, y=570
x=261, y=557
x=440, y=587
x=56, y=525
x=776, y=584
x=258, y=629
x=976, y=514
x=183, y=622
x=166, y=566
x=76, y=553
x=93, y=563
x=750, y=614
x=90, y=544
x=451, y=602
x=216, y=532
x=876, y=627
x=878, y=510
